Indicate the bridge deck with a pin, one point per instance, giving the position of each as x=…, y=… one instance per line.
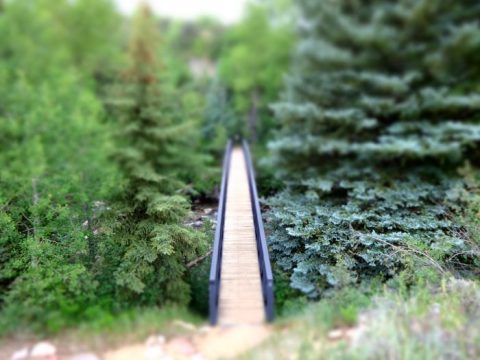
x=241, y=299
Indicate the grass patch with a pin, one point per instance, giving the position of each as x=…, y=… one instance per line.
x=108, y=331
x=439, y=320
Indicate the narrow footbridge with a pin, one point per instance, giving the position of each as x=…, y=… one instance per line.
x=241, y=282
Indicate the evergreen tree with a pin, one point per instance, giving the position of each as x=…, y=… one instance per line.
x=158, y=155
x=54, y=169
x=380, y=111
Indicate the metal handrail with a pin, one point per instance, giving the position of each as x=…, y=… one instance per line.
x=215, y=267
x=262, y=249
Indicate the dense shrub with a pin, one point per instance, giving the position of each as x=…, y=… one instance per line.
x=80, y=239
x=380, y=110
x=54, y=174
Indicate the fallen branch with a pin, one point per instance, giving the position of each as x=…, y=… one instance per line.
x=198, y=260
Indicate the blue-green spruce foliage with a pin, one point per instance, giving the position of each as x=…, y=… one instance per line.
x=380, y=110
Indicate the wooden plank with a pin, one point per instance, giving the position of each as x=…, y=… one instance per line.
x=241, y=299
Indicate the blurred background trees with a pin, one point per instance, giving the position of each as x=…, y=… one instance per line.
x=255, y=57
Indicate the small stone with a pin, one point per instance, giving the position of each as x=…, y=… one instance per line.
x=20, y=354
x=43, y=349
x=207, y=210
x=336, y=334
x=85, y=356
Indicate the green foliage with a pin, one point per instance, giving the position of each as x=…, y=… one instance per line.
x=200, y=275
x=287, y=300
x=54, y=173
x=256, y=55
x=199, y=281
x=158, y=154
x=137, y=324
x=375, y=120
x=201, y=38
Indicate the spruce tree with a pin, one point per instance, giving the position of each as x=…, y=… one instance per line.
x=379, y=112
x=158, y=156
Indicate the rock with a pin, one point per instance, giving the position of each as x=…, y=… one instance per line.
x=155, y=347
x=20, y=354
x=207, y=211
x=155, y=340
x=181, y=346
x=45, y=350
x=336, y=334
x=84, y=356
x=154, y=352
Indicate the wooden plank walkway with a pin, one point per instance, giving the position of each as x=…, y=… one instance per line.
x=241, y=298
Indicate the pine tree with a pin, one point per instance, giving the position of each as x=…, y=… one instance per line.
x=380, y=110
x=158, y=155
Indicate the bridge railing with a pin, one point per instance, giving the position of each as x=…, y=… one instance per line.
x=215, y=268
x=262, y=249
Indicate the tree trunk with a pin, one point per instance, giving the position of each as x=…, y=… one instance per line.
x=253, y=115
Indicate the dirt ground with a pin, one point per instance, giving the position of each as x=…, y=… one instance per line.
x=197, y=343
